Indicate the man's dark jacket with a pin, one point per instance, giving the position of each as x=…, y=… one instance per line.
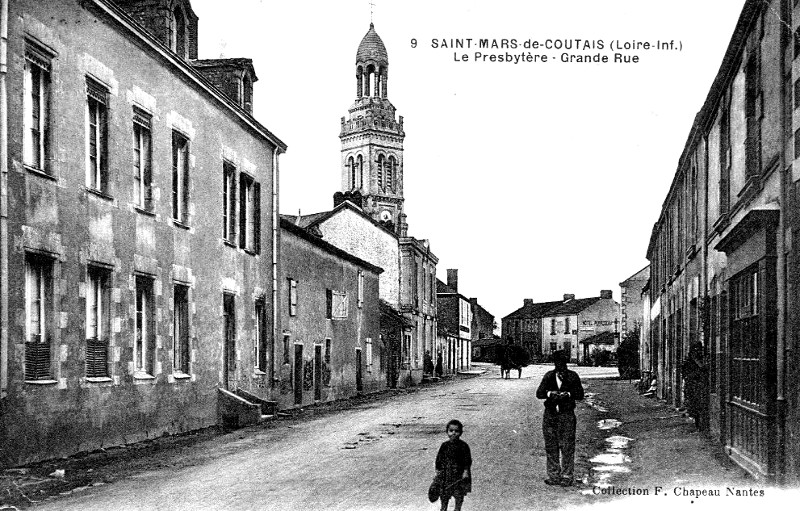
x=570, y=383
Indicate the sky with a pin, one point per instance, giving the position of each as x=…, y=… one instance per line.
x=533, y=179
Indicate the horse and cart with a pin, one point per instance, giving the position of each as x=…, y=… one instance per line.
x=510, y=357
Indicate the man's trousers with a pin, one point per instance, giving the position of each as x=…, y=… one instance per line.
x=559, y=444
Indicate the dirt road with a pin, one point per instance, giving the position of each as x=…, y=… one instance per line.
x=380, y=454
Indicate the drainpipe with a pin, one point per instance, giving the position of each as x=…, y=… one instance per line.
x=780, y=359
x=3, y=199
x=275, y=258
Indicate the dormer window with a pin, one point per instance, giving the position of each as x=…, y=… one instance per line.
x=247, y=92
x=177, y=40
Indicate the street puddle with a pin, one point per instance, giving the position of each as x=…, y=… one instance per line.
x=608, y=424
x=592, y=403
x=610, y=458
x=618, y=442
x=611, y=463
x=615, y=469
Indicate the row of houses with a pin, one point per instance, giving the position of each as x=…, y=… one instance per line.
x=723, y=274
x=148, y=283
x=577, y=326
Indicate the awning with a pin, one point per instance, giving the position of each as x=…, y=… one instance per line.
x=602, y=338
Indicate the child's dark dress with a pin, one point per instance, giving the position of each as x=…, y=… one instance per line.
x=453, y=458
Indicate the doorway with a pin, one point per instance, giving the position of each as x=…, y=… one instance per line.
x=229, y=334
x=298, y=374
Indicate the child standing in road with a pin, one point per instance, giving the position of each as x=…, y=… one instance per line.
x=453, y=466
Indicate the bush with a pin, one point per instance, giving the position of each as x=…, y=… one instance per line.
x=600, y=357
x=628, y=356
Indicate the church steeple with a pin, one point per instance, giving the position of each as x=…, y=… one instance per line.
x=372, y=138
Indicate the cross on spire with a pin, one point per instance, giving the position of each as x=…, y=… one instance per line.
x=371, y=5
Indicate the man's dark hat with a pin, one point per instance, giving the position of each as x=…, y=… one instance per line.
x=560, y=357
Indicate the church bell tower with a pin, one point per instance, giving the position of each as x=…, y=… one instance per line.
x=372, y=139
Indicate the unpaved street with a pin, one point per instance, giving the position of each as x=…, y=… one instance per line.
x=380, y=455
x=377, y=456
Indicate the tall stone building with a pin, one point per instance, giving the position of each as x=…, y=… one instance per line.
x=372, y=138
x=630, y=301
x=724, y=262
x=137, y=226
x=368, y=219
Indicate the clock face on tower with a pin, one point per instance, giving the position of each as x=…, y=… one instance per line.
x=386, y=215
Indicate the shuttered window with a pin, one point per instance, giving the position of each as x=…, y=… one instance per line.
x=38, y=318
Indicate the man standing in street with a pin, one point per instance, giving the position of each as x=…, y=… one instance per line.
x=560, y=388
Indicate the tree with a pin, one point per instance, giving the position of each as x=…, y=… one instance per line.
x=628, y=355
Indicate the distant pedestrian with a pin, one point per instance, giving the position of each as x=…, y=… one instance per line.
x=439, y=368
x=454, y=466
x=695, y=392
x=560, y=388
x=427, y=364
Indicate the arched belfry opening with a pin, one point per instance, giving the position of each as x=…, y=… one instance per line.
x=372, y=66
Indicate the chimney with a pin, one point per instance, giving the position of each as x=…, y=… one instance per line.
x=527, y=301
x=606, y=293
x=452, y=279
x=568, y=297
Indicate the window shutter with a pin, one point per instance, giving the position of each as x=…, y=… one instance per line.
x=257, y=218
x=148, y=171
x=242, y=211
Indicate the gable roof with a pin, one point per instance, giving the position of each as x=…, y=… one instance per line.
x=324, y=245
x=442, y=288
x=533, y=310
x=643, y=274
x=573, y=306
x=315, y=219
x=133, y=27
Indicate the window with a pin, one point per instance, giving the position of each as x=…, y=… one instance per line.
x=746, y=382
x=406, y=348
x=260, y=336
x=96, y=136
x=693, y=190
x=360, y=289
x=390, y=166
x=229, y=202
x=753, y=113
x=725, y=155
x=368, y=344
x=180, y=178
x=97, y=323
x=247, y=92
x=180, y=329
x=336, y=304
x=566, y=325
x=36, y=106
x=292, y=297
x=144, y=336
x=38, y=317
x=381, y=178
x=355, y=166
x=713, y=341
x=553, y=326
x=249, y=213
x=142, y=160
x=326, y=369
x=286, y=354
